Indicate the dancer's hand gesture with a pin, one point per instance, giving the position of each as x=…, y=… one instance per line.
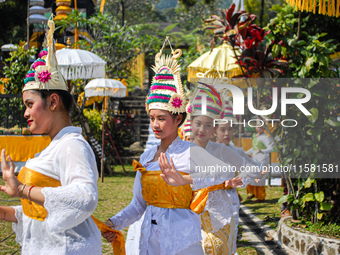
x=12, y=185
x=170, y=174
x=234, y=182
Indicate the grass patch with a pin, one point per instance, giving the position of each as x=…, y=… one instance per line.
x=247, y=250
x=269, y=207
x=115, y=193
x=320, y=228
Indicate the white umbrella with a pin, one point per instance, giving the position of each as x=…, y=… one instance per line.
x=80, y=64
x=9, y=47
x=105, y=88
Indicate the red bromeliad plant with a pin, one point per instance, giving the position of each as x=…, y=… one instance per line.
x=237, y=29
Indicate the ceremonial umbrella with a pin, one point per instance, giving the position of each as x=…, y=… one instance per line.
x=80, y=64
x=9, y=47
x=220, y=63
x=105, y=88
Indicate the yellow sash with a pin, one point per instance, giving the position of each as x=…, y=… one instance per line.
x=38, y=212
x=158, y=193
x=201, y=197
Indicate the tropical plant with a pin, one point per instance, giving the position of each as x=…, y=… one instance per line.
x=278, y=51
x=14, y=71
x=314, y=145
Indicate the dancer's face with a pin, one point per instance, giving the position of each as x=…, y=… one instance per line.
x=37, y=113
x=202, y=129
x=164, y=124
x=224, y=133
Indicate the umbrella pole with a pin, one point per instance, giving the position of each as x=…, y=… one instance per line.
x=103, y=140
x=113, y=145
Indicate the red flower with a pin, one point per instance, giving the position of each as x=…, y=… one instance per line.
x=177, y=102
x=44, y=76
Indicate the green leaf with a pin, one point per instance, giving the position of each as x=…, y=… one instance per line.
x=275, y=50
x=324, y=206
x=309, y=182
x=297, y=152
x=332, y=122
x=320, y=196
x=315, y=114
x=285, y=198
x=319, y=215
x=308, y=197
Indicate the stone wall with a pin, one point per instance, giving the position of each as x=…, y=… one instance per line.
x=305, y=242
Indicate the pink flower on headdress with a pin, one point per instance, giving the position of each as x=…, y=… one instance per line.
x=189, y=108
x=44, y=76
x=177, y=102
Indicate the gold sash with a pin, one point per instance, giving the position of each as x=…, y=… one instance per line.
x=201, y=197
x=31, y=177
x=38, y=212
x=158, y=193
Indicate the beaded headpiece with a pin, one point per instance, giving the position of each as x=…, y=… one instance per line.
x=166, y=91
x=44, y=73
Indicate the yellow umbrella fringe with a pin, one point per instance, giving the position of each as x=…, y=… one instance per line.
x=311, y=5
x=320, y=6
x=300, y=5
x=330, y=9
x=314, y=10
x=324, y=7
x=305, y=5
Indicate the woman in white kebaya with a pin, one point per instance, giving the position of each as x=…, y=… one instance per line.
x=224, y=135
x=58, y=187
x=169, y=225
x=218, y=217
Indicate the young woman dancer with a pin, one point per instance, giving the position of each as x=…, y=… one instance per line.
x=224, y=135
x=169, y=226
x=58, y=187
x=218, y=218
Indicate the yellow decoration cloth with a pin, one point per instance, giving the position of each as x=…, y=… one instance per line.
x=158, y=193
x=258, y=191
x=21, y=147
x=217, y=243
x=119, y=244
x=201, y=197
x=38, y=212
x=326, y=7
